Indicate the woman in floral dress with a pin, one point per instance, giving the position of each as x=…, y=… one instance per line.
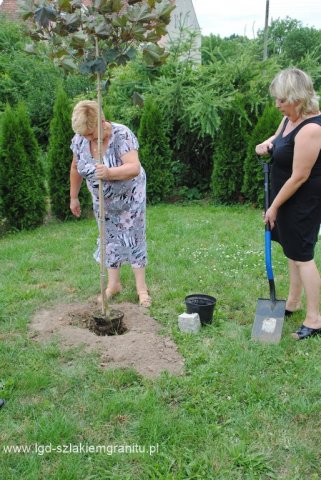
x=124, y=188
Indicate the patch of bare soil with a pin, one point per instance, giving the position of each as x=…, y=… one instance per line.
x=139, y=345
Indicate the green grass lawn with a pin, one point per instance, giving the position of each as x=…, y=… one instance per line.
x=241, y=411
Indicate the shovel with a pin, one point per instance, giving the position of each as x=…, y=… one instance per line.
x=269, y=316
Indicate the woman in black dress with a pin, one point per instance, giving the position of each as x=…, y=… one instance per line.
x=295, y=211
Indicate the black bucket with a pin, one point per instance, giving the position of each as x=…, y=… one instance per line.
x=201, y=304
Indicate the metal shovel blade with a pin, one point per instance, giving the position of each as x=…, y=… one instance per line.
x=268, y=323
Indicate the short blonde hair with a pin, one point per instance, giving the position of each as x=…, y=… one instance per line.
x=84, y=118
x=293, y=85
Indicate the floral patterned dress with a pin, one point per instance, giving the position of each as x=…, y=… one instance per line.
x=125, y=200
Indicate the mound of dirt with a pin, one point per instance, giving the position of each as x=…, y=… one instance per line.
x=140, y=346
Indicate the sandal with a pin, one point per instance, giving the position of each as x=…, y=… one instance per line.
x=144, y=298
x=289, y=313
x=297, y=308
x=306, y=332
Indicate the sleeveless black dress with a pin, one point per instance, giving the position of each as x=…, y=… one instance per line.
x=298, y=219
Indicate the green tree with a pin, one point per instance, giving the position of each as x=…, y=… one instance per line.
x=301, y=41
x=278, y=32
x=31, y=147
x=253, y=172
x=228, y=158
x=100, y=35
x=59, y=159
x=214, y=48
x=155, y=154
x=21, y=178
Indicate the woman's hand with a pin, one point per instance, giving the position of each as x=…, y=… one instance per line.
x=101, y=172
x=75, y=207
x=270, y=216
x=264, y=148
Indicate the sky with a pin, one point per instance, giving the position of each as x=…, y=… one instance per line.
x=246, y=17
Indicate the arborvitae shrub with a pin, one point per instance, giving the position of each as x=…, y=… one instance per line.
x=228, y=158
x=155, y=153
x=253, y=187
x=31, y=148
x=59, y=160
x=21, y=175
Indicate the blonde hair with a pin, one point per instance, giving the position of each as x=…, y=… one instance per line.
x=84, y=118
x=293, y=85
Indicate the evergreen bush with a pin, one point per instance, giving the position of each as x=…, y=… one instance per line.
x=155, y=153
x=31, y=147
x=59, y=160
x=21, y=175
x=228, y=159
x=253, y=172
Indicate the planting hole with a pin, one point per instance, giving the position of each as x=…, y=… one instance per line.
x=110, y=325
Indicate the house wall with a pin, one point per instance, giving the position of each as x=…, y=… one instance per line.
x=184, y=16
x=9, y=7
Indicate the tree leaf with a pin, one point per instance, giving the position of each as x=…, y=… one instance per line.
x=120, y=21
x=103, y=30
x=164, y=11
x=105, y=6
x=160, y=30
x=26, y=8
x=122, y=59
x=138, y=32
x=45, y=15
x=154, y=55
x=117, y=6
x=78, y=40
x=85, y=67
x=60, y=29
x=131, y=53
x=111, y=55
x=154, y=36
x=68, y=64
x=77, y=4
x=138, y=99
x=65, y=5
x=59, y=52
x=151, y=3
x=72, y=21
x=98, y=65
x=139, y=13
x=105, y=84
x=108, y=6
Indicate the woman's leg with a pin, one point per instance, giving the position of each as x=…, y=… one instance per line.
x=141, y=287
x=113, y=284
x=311, y=283
x=293, y=302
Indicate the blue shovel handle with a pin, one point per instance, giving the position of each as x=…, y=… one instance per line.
x=268, y=254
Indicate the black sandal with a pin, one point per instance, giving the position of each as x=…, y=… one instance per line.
x=306, y=332
x=289, y=313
